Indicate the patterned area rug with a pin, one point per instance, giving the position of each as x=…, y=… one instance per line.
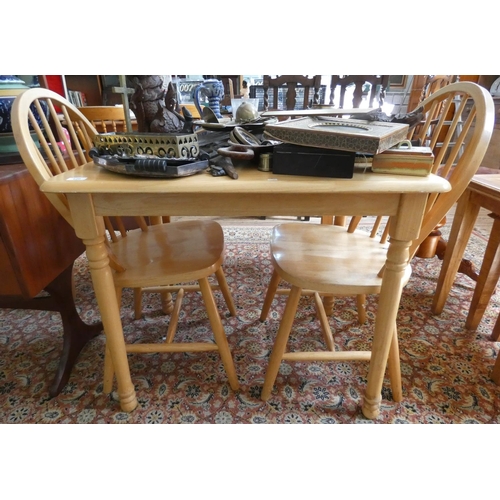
x=445, y=368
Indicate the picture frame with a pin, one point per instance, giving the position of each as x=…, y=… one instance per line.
x=398, y=81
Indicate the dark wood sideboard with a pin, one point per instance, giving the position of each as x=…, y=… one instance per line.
x=37, y=251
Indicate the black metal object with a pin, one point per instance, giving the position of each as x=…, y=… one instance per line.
x=319, y=162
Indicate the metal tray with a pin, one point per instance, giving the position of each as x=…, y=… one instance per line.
x=152, y=168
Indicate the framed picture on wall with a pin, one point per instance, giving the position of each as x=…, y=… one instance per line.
x=396, y=81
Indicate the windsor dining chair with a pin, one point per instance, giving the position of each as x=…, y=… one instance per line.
x=324, y=260
x=161, y=255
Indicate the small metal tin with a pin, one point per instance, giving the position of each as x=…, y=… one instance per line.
x=265, y=162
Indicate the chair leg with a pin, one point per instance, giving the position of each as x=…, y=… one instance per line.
x=375, y=227
x=395, y=368
x=137, y=303
x=174, y=317
x=219, y=333
x=224, y=288
x=280, y=342
x=271, y=292
x=167, y=303
x=109, y=372
x=323, y=320
x=361, y=307
x=353, y=224
x=328, y=303
x=487, y=280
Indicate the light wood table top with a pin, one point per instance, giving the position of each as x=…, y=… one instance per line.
x=253, y=193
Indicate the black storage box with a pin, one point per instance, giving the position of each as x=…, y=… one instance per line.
x=319, y=162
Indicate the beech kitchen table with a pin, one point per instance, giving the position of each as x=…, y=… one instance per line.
x=94, y=192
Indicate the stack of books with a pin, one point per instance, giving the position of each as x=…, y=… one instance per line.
x=406, y=160
x=77, y=98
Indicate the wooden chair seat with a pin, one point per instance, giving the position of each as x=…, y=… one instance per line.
x=196, y=248
x=321, y=260
x=170, y=257
x=329, y=258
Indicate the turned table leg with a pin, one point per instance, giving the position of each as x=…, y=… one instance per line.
x=91, y=230
x=388, y=304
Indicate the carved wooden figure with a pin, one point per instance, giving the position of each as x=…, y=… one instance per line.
x=155, y=108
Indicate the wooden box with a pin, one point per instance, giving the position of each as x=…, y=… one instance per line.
x=413, y=160
x=345, y=134
x=318, y=162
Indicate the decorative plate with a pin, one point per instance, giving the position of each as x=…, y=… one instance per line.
x=245, y=137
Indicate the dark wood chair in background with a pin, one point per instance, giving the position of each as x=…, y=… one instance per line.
x=378, y=86
x=290, y=86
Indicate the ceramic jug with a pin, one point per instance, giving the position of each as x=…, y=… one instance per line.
x=213, y=90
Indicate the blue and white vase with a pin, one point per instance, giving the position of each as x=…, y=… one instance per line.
x=10, y=87
x=213, y=90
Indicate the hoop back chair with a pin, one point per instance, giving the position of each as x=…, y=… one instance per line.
x=319, y=259
x=160, y=255
x=111, y=119
x=444, y=131
x=432, y=84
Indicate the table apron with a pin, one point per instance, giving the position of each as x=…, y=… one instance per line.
x=246, y=204
x=487, y=200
